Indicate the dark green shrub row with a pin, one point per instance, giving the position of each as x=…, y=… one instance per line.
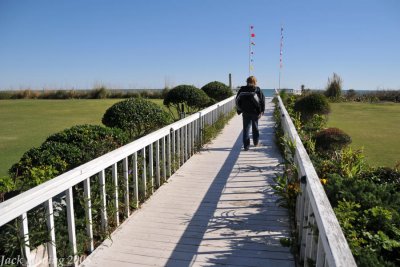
x=216, y=90
x=97, y=93
x=64, y=151
x=373, y=96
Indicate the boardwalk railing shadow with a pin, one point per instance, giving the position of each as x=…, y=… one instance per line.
x=205, y=213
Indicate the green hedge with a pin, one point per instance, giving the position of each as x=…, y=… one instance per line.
x=64, y=151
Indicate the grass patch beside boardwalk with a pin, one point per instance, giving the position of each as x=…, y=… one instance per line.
x=376, y=127
x=27, y=123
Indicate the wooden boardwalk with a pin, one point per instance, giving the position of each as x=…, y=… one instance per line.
x=218, y=209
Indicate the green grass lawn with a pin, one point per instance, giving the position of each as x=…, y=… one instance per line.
x=375, y=127
x=27, y=123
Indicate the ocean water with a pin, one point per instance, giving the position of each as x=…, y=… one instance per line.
x=268, y=92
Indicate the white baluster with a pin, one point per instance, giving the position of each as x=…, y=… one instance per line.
x=144, y=177
x=135, y=180
x=25, y=238
x=151, y=168
x=71, y=222
x=51, y=245
x=103, y=211
x=125, y=169
x=115, y=180
x=88, y=212
x=158, y=163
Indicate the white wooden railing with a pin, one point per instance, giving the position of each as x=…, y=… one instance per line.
x=174, y=144
x=320, y=237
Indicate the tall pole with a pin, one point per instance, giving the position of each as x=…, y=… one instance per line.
x=250, y=51
x=280, y=57
x=251, y=35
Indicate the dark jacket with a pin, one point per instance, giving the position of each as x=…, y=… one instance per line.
x=247, y=103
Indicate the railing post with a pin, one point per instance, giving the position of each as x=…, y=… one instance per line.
x=200, y=129
x=151, y=168
x=158, y=163
x=102, y=181
x=24, y=231
x=144, y=178
x=320, y=260
x=115, y=181
x=88, y=212
x=125, y=169
x=163, y=159
x=173, y=151
x=51, y=245
x=178, y=147
x=182, y=130
x=135, y=181
x=186, y=142
x=189, y=139
x=169, y=155
x=71, y=222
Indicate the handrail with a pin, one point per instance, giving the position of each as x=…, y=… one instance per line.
x=180, y=138
x=313, y=207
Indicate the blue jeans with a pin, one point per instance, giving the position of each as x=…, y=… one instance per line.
x=250, y=119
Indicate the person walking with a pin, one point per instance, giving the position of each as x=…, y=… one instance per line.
x=251, y=102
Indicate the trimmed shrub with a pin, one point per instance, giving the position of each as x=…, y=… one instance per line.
x=311, y=104
x=331, y=139
x=66, y=150
x=334, y=87
x=137, y=116
x=383, y=175
x=192, y=98
x=217, y=90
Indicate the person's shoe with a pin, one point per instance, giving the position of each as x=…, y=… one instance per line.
x=256, y=143
x=246, y=148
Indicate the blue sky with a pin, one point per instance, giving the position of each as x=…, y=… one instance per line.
x=147, y=44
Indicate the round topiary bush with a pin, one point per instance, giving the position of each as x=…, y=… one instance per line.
x=191, y=97
x=331, y=139
x=137, y=116
x=311, y=104
x=217, y=90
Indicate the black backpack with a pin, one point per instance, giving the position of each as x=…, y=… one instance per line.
x=248, y=102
